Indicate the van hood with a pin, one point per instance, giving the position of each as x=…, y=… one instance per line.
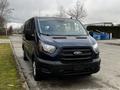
x=69, y=40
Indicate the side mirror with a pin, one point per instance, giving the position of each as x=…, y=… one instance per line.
x=29, y=35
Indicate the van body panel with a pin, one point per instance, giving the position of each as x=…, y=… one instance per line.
x=68, y=41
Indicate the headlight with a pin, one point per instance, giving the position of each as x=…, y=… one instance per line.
x=95, y=48
x=48, y=48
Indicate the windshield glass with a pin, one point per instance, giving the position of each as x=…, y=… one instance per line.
x=61, y=27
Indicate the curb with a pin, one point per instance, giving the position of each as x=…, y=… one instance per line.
x=22, y=76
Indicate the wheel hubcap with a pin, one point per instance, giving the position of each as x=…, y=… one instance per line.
x=34, y=68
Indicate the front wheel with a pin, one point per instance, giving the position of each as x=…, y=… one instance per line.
x=36, y=72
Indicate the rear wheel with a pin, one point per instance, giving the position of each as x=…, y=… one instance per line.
x=24, y=56
x=36, y=72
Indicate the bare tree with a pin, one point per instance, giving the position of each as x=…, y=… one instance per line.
x=61, y=12
x=4, y=11
x=2, y=20
x=78, y=12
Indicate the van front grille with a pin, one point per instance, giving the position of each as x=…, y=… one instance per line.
x=68, y=54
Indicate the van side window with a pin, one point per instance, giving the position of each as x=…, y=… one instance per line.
x=26, y=27
x=24, y=30
x=29, y=29
x=31, y=26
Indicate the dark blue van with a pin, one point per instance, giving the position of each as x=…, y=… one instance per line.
x=59, y=47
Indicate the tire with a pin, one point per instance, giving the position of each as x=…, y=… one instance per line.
x=36, y=72
x=25, y=57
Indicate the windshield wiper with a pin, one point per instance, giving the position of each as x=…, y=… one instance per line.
x=60, y=35
x=72, y=35
x=75, y=35
x=45, y=34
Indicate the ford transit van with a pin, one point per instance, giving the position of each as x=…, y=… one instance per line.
x=59, y=46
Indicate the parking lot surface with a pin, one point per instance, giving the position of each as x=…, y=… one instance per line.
x=107, y=79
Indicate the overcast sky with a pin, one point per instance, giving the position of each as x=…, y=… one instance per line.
x=97, y=10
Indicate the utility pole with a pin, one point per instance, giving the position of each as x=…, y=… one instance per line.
x=6, y=30
x=39, y=12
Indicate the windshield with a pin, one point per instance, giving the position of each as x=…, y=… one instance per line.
x=62, y=27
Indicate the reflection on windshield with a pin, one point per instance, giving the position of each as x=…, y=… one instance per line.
x=62, y=27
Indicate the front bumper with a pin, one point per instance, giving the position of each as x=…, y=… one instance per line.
x=58, y=68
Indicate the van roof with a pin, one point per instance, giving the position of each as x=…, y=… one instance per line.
x=51, y=18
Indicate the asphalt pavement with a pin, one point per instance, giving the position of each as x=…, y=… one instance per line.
x=107, y=79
